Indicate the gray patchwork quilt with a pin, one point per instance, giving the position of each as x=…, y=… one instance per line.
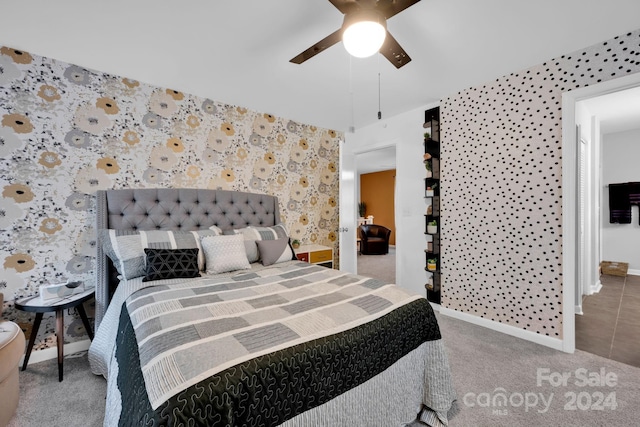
x=262, y=346
x=187, y=333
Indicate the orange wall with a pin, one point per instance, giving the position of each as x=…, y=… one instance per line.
x=377, y=190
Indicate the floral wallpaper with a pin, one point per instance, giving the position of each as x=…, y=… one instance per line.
x=66, y=131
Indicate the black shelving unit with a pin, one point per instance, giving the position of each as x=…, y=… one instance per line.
x=432, y=195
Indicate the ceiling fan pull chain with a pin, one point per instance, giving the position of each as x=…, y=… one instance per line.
x=379, y=108
x=352, y=128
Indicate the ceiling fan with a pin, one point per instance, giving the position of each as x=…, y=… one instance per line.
x=364, y=10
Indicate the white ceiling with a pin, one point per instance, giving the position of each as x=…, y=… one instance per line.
x=618, y=111
x=238, y=51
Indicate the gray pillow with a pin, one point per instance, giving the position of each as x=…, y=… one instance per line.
x=274, y=251
x=253, y=234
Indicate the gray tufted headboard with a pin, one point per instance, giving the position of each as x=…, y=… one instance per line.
x=185, y=209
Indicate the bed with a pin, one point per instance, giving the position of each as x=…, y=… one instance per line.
x=205, y=317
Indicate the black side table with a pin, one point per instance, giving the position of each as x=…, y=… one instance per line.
x=38, y=306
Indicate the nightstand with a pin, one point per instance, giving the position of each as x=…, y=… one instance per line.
x=315, y=254
x=39, y=306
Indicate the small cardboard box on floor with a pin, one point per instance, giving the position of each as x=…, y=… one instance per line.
x=614, y=268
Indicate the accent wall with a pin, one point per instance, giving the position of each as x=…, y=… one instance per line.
x=501, y=188
x=67, y=131
x=501, y=163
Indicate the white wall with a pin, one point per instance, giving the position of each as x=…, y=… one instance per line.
x=405, y=131
x=620, y=155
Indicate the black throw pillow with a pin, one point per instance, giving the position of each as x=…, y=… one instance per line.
x=171, y=264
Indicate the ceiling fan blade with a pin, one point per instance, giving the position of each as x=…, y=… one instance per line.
x=388, y=8
x=391, y=8
x=322, y=45
x=345, y=6
x=392, y=50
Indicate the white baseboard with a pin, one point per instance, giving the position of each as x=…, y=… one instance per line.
x=52, y=352
x=595, y=288
x=633, y=272
x=544, y=340
x=578, y=310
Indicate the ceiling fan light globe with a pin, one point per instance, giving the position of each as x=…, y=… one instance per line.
x=364, y=33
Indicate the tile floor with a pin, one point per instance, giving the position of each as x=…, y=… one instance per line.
x=610, y=325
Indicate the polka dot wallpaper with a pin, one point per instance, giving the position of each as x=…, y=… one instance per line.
x=502, y=187
x=66, y=132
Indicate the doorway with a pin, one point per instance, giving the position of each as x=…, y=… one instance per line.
x=375, y=171
x=583, y=194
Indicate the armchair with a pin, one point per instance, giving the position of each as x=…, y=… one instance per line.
x=11, y=349
x=374, y=239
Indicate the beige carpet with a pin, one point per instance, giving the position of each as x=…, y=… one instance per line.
x=379, y=266
x=485, y=365
x=78, y=400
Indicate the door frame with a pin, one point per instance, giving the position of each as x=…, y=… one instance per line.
x=348, y=210
x=581, y=238
x=349, y=204
x=357, y=184
x=570, y=283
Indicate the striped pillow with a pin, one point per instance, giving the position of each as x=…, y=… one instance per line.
x=252, y=234
x=126, y=247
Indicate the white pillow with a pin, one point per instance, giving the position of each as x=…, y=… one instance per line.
x=225, y=253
